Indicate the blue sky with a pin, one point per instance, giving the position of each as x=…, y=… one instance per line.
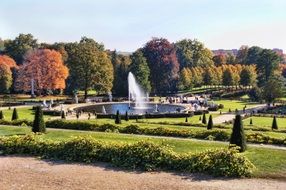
x=126, y=25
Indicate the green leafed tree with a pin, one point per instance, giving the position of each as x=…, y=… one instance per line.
x=185, y=79
x=139, y=67
x=192, y=53
x=89, y=67
x=18, y=47
x=267, y=65
x=274, y=88
x=5, y=78
x=227, y=77
x=248, y=76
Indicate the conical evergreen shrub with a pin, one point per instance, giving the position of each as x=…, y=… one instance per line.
x=204, y=121
x=117, y=118
x=1, y=115
x=200, y=118
x=39, y=123
x=250, y=122
x=210, y=123
x=126, y=116
x=63, y=115
x=274, y=123
x=186, y=120
x=238, y=137
x=15, y=115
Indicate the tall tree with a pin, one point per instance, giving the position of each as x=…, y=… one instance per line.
x=253, y=55
x=4, y=59
x=139, y=67
x=18, y=47
x=219, y=59
x=248, y=76
x=227, y=78
x=90, y=67
x=162, y=60
x=242, y=55
x=267, y=65
x=192, y=53
x=121, y=65
x=45, y=67
x=185, y=79
x=5, y=78
x=274, y=88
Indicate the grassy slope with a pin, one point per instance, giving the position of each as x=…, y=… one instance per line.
x=234, y=104
x=268, y=162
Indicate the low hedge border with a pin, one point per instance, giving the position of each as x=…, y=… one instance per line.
x=142, y=155
x=217, y=134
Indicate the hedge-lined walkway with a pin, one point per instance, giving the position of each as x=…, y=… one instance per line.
x=31, y=173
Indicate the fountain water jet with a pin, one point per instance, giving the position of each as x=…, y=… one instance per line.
x=134, y=92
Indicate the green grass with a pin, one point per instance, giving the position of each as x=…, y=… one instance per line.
x=234, y=104
x=269, y=162
x=23, y=113
x=265, y=122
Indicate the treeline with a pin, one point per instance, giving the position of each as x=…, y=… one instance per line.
x=160, y=67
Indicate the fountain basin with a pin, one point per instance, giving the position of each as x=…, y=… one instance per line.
x=111, y=108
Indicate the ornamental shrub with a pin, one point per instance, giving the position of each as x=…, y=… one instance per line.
x=238, y=137
x=274, y=124
x=126, y=116
x=142, y=155
x=15, y=115
x=210, y=123
x=204, y=120
x=117, y=118
x=39, y=125
x=1, y=115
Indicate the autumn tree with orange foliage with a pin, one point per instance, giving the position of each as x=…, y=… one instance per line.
x=4, y=59
x=46, y=68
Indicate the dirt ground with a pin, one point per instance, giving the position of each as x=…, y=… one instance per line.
x=31, y=173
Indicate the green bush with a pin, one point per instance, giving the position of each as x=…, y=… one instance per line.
x=16, y=122
x=141, y=155
x=39, y=123
x=15, y=115
x=1, y=115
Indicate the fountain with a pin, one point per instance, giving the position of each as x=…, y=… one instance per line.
x=103, y=110
x=134, y=92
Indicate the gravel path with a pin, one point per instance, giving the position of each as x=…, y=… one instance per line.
x=30, y=173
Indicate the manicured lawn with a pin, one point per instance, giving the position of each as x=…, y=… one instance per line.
x=269, y=162
x=234, y=104
x=266, y=122
x=23, y=113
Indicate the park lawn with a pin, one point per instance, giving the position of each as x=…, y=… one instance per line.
x=24, y=113
x=235, y=104
x=269, y=162
x=265, y=122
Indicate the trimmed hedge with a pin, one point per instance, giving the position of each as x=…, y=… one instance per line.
x=217, y=134
x=141, y=155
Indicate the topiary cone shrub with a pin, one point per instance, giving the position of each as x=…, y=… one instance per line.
x=15, y=115
x=204, y=120
x=210, y=123
x=186, y=120
x=39, y=125
x=126, y=116
x=238, y=137
x=1, y=115
x=250, y=122
x=117, y=118
x=274, y=124
x=63, y=115
x=200, y=118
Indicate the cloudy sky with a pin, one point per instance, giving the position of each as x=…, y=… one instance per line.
x=126, y=25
